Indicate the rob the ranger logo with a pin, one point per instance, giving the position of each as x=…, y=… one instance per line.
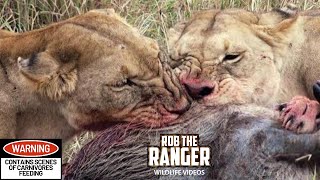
x=179, y=150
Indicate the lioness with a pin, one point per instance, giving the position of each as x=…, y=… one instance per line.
x=236, y=56
x=86, y=72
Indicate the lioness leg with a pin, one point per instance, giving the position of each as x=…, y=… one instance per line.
x=7, y=116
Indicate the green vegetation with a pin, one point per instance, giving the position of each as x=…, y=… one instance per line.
x=151, y=17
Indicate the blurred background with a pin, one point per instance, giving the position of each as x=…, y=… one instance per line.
x=153, y=18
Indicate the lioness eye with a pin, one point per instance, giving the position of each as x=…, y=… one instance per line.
x=130, y=82
x=124, y=82
x=232, y=57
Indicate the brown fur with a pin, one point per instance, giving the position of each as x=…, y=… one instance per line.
x=277, y=54
x=245, y=144
x=86, y=72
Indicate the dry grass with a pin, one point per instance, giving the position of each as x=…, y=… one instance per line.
x=151, y=17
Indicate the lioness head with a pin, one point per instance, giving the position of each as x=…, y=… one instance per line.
x=231, y=56
x=101, y=70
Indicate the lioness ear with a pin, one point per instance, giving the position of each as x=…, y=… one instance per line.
x=49, y=76
x=277, y=33
x=277, y=15
x=275, y=26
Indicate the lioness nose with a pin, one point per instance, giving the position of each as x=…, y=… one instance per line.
x=198, y=89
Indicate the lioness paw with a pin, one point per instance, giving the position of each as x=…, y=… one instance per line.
x=299, y=115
